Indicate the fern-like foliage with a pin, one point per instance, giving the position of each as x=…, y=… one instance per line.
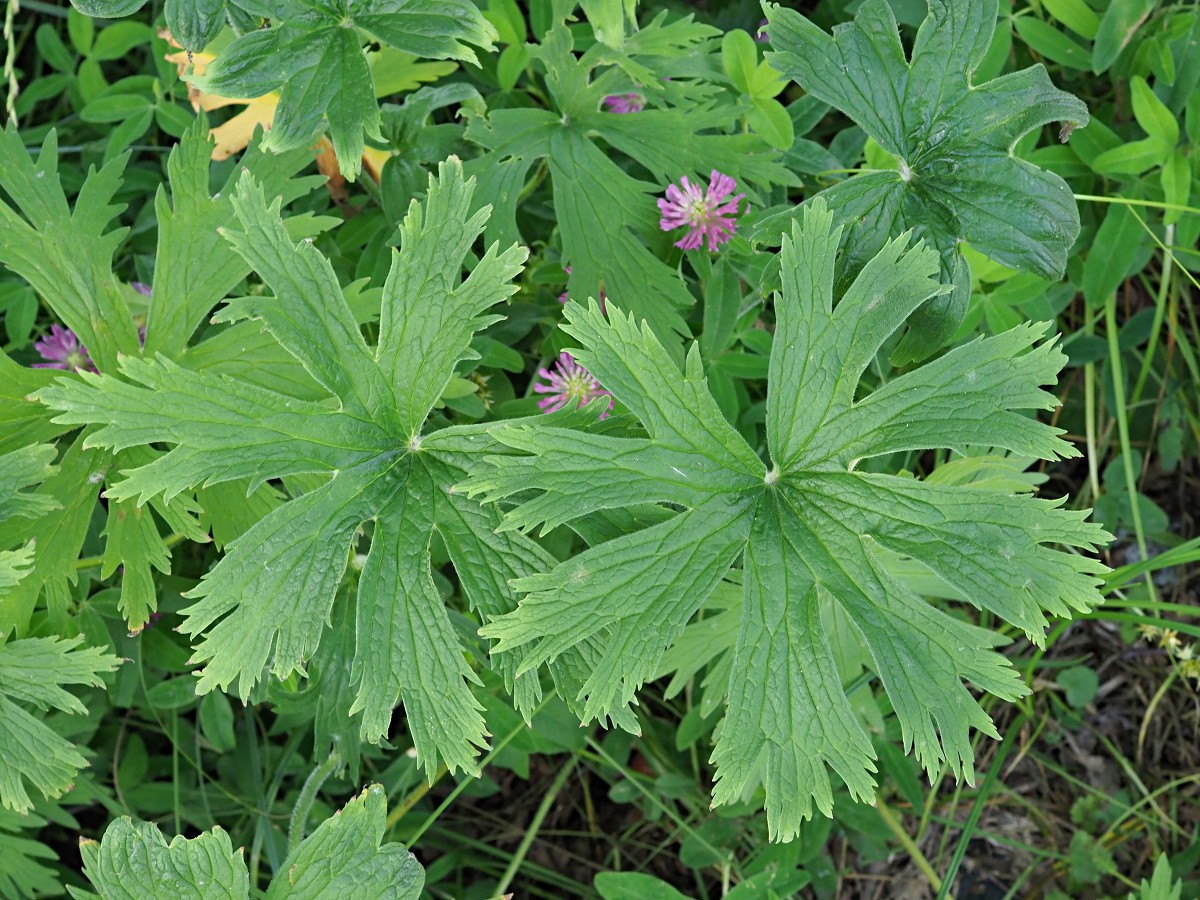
x=267, y=602
x=342, y=858
x=812, y=529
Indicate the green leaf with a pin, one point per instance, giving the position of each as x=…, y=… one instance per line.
x=1152, y=114
x=108, y=9
x=194, y=23
x=313, y=56
x=1088, y=859
x=956, y=178
x=26, y=866
x=1051, y=43
x=634, y=886
x=1113, y=252
x=768, y=118
x=195, y=267
x=1176, y=185
x=65, y=255
x=133, y=859
x=425, y=306
x=1118, y=25
x=1133, y=158
x=606, y=216
x=739, y=55
x=81, y=30
x=24, y=421
x=116, y=40
x=1076, y=15
x=56, y=537
x=32, y=672
x=20, y=469
x=344, y=857
x=365, y=461
x=114, y=108
x=1080, y=684
x=1162, y=885
x=815, y=532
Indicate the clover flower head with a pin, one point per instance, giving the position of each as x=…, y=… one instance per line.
x=568, y=382
x=62, y=350
x=625, y=103
x=562, y=298
x=761, y=36
x=707, y=215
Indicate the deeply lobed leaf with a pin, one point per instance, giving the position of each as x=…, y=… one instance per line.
x=345, y=856
x=33, y=671
x=313, y=55
x=956, y=178
x=267, y=603
x=814, y=532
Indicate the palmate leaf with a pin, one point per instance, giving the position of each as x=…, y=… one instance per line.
x=343, y=857
x=313, y=55
x=66, y=254
x=605, y=214
x=956, y=178
x=812, y=529
x=267, y=602
x=26, y=865
x=21, y=469
x=32, y=672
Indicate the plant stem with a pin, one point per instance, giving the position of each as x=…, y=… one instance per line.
x=308, y=794
x=535, y=826
x=1121, y=413
x=910, y=846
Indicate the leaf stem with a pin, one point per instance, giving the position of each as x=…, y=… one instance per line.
x=308, y=794
x=462, y=784
x=968, y=829
x=1160, y=308
x=1121, y=413
x=1126, y=201
x=92, y=562
x=910, y=846
x=535, y=825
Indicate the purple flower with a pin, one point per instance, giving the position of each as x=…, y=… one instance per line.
x=761, y=36
x=141, y=287
x=562, y=298
x=568, y=382
x=62, y=350
x=706, y=215
x=625, y=103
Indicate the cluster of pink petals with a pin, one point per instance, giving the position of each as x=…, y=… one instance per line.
x=568, y=382
x=625, y=103
x=707, y=215
x=562, y=298
x=62, y=350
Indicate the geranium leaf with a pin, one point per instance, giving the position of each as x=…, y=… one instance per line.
x=359, y=453
x=313, y=55
x=814, y=531
x=956, y=178
x=32, y=673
